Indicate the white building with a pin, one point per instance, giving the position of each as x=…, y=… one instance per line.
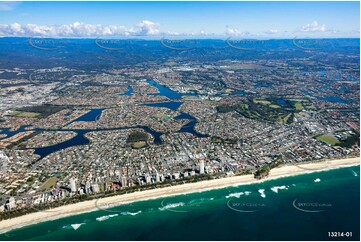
x=157, y=177
x=176, y=175
x=72, y=185
x=201, y=166
x=95, y=188
x=148, y=179
x=124, y=181
x=10, y=204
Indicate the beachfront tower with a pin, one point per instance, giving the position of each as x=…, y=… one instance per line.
x=157, y=177
x=124, y=181
x=72, y=185
x=201, y=166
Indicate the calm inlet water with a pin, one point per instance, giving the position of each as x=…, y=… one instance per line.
x=92, y=115
x=128, y=92
x=304, y=207
x=164, y=91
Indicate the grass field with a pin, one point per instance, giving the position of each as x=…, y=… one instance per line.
x=139, y=144
x=49, y=183
x=327, y=139
x=284, y=118
x=217, y=140
x=265, y=102
x=311, y=107
x=274, y=106
x=25, y=114
x=42, y=110
x=298, y=105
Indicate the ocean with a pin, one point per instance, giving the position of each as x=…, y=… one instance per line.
x=303, y=207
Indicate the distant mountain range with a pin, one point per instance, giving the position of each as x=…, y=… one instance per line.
x=88, y=53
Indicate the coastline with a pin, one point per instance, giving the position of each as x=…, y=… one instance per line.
x=92, y=205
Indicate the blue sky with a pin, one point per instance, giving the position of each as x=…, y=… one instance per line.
x=180, y=19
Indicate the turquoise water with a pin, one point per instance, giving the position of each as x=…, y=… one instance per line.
x=304, y=207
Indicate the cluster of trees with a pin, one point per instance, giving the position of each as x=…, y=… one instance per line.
x=263, y=171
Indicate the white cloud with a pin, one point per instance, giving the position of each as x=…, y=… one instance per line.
x=78, y=29
x=148, y=28
x=204, y=33
x=314, y=27
x=231, y=31
x=7, y=6
x=236, y=32
x=272, y=31
x=171, y=33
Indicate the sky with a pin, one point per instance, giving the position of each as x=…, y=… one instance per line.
x=263, y=20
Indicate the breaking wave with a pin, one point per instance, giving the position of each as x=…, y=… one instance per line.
x=200, y=200
x=76, y=226
x=354, y=173
x=172, y=205
x=276, y=188
x=102, y=218
x=261, y=191
x=237, y=195
x=130, y=213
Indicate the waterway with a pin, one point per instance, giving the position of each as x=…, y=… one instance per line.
x=94, y=115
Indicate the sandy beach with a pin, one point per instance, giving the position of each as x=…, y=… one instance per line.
x=87, y=206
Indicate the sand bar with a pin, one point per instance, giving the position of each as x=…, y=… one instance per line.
x=91, y=205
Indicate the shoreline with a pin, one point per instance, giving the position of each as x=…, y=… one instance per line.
x=92, y=205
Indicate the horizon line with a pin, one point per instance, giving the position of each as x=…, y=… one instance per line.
x=163, y=38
